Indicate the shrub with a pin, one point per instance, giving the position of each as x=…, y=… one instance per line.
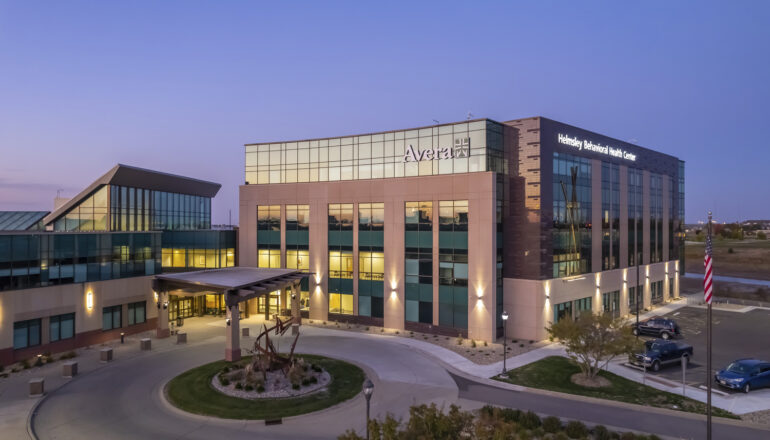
x=397, y=332
x=411, y=333
x=529, y=420
x=601, y=433
x=238, y=386
x=248, y=387
x=39, y=361
x=521, y=345
x=575, y=429
x=730, y=251
x=295, y=386
x=531, y=342
x=313, y=379
x=459, y=341
x=485, y=344
x=551, y=424
x=25, y=364
x=316, y=368
x=473, y=343
x=305, y=382
x=382, y=330
x=324, y=323
x=260, y=388
x=561, y=436
x=224, y=381
x=366, y=328
x=226, y=369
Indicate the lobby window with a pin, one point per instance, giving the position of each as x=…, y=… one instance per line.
x=634, y=297
x=371, y=259
x=137, y=312
x=26, y=333
x=571, y=215
x=61, y=327
x=635, y=231
x=656, y=218
x=418, y=261
x=269, y=236
x=582, y=305
x=656, y=292
x=453, y=264
x=610, y=216
x=611, y=303
x=341, y=258
x=111, y=317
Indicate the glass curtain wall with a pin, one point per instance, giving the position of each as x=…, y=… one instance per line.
x=371, y=259
x=198, y=249
x=610, y=216
x=635, y=231
x=298, y=247
x=418, y=288
x=571, y=215
x=341, y=258
x=453, y=264
x=611, y=303
x=88, y=215
x=137, y=209
x=39, y=260
x=269, y=236
x=656, y=218
x=373, y=156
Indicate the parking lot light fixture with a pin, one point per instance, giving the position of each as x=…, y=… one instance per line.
x=505, y=342
x=368, y=390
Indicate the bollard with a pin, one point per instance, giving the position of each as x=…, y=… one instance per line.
x=122, y=337
x=181, y=338
x=294, y=329
x=36, y=387
x=145, y=344
x=105, y=355
x=69, y=369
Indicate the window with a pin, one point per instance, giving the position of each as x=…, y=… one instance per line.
x=635, y=298
x=62, y=327
x=583, y=305
x=635, y=231
x=610, y=216
x=340, y=230
x=137, y=312
x=26, y=333
x=371, y=259
x=611, y=303
x=269, y=258
x=571, y=232
x=656, y=292
x=562, y=311
x=111, y=317
x=453, y=264
x=418, y=261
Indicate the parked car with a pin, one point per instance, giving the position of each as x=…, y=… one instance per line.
x=659, y=327
x=744, y=375
x=660, y=352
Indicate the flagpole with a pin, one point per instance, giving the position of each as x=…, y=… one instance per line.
x=708, y=353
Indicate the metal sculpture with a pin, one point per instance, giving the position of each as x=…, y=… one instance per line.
x=266, y=357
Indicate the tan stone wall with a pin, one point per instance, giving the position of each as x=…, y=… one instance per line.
x=477, y=188
x=44, y=302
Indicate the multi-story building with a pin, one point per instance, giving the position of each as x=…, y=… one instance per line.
x=82, y=274
x=441, y=228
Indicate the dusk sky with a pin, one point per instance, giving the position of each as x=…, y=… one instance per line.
x=181, y=86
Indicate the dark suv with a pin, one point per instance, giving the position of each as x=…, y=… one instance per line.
x=659, y=327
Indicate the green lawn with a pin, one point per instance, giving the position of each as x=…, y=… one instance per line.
x=192, y=392
x=553, y=373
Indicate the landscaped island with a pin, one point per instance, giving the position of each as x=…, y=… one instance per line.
x=232, y=390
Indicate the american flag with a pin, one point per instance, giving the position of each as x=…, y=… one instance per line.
x=707, y=264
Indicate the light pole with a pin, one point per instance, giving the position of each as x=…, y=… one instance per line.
x=505, y=342
x=368, y=390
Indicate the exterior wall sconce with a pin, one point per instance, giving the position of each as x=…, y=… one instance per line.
x=165, y=305
x=547, y=296
x=228, y=322
x=393, y=294
x=156, y=295
x=90, y=300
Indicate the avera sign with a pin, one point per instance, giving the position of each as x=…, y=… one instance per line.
x=461, y=148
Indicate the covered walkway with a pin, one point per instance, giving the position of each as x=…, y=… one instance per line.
x=237, y=285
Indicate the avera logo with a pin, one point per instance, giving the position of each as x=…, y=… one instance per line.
x=462, y=147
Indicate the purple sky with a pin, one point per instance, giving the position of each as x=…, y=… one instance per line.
x=181, y=86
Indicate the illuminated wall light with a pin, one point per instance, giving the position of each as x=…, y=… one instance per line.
x=318, y=290
x=393, y=294
x=90, y=300
x=156, y=295
x=318, y=277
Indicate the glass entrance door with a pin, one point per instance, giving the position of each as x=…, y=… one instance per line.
x=274, y=303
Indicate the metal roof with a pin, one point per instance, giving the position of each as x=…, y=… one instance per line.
x=232, y=278
x=20, y=220
x=125, y=175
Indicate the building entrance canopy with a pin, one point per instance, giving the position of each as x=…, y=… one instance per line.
x=237, y=284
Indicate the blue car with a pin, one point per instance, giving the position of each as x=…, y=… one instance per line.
x=745, y=375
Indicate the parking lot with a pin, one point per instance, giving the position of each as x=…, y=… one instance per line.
x=735, y=336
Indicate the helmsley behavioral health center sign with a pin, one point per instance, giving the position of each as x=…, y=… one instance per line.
x=582, y=144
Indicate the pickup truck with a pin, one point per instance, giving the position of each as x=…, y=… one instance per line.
x=660, y=352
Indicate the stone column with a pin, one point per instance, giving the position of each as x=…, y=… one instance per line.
x=295, y=296
x=162, y=330
x=232, y=330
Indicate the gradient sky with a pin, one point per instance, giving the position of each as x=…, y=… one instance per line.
x=181, y=86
